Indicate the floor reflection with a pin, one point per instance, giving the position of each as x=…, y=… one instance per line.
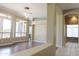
x=9, y=50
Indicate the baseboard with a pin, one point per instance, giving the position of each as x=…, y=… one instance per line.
x=4, y=44
x=19, y=41
x=10, y=43
x=39, y=41
x=59, y=46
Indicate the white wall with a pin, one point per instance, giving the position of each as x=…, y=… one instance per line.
x=40, y=30
x=59, y=27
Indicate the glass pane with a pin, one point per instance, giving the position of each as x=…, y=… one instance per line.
x=72, y=30
x=1, y=25
x=23, y=34
x=69, y=32
x=75, y=31
x=72, y=25
x=6, y=35
x=20, y=28
x=6, y=28
x=30, y=29
x=0, y=35
x=18, y=34
x=6, y=25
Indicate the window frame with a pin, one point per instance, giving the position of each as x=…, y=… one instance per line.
x=2, y=33
x=72, y=31
x=21, y=33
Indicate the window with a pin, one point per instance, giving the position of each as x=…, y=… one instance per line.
x=5, y=27
x=72, y=30
x=30, y=29
x=20, y=28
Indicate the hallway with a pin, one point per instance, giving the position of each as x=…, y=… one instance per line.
x=70, y=49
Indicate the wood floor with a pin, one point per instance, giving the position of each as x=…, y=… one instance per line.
x=9, y=50
x=70, y=49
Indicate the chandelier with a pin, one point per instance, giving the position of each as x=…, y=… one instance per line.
x=26, y=13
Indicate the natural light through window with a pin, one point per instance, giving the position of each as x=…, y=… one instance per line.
x=20, y=28
x=5, y=28
x=72, y=30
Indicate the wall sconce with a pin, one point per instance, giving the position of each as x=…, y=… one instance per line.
x=74, y=20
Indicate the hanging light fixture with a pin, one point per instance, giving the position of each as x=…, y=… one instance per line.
x=26, y=13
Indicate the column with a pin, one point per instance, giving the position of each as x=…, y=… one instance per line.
x=59, y=27
x=78, y=28
x=51, y=25
x=27, y=32
x=13, y=28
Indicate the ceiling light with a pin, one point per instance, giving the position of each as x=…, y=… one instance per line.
x=27, y=8
x=74, y=18
x=26, y=13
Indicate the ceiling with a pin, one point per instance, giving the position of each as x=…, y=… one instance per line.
x=38, y=10
x=66, y=6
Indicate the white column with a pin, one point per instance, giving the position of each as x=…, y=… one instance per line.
x=33, y=29
x=27, y=32
x=78, y=28
x=65, y=32
x=13, y=27
x=51, y=25
x=59, y=27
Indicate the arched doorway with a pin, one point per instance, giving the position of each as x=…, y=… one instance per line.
x=71, y=26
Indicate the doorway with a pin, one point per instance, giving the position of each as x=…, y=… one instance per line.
x=71, y=28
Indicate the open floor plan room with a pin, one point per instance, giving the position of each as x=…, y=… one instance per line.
x=39, y=29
